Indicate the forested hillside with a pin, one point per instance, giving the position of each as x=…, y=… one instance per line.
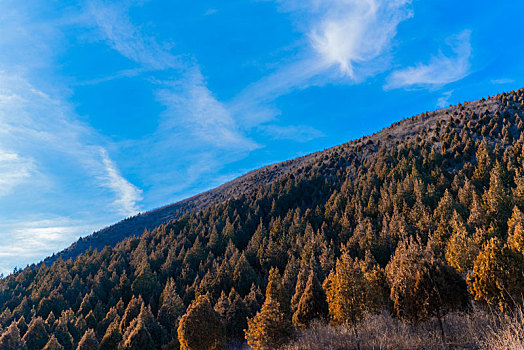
x=419, y=220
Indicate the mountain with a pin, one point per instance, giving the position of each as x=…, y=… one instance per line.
x=244, y=185
x=420, y=220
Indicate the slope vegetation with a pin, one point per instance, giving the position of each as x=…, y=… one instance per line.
x=420, y=220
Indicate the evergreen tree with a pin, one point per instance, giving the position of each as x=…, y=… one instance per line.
x=498, y=276
x=132, y=311
x=200, y=327
x=516, y=231
x=88, y=341
x=461, y=249
x=145, y=282
x=53, y=344
x=172, y=307
x=243, y=275
x=138, y=337
x=10, y=339
x=63, y=335
x=312, y=304
x=112, y=337
x=271, y=327
x=422, y=286
x=36, y=336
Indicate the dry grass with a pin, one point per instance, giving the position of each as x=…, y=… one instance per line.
x=509, y=335
x=478, y=330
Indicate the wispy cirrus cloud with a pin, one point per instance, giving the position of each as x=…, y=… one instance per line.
x=49, y=157
x=345, y=41
x=117, y=29
x=300, y=133
x=440, y=70
x=443, y=100
x=191, y=106
x=503, y=81
x=350, y=34
x=35, y=238
x=14, y=170
x=197, y=134
x=127, y=194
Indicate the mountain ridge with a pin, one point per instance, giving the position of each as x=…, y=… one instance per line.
x=389, y=136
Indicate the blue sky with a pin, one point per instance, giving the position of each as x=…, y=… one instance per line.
x=109, y=108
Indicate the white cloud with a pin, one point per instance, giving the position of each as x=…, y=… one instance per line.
x=443, y=101
x=14, y=170
x=191, y=106
x=127, y=195
x=503, y=81
x=350, y=33
x=441, y=70
x=117, y=29
x=29, y=241
x=347, y=41
x=299, y=133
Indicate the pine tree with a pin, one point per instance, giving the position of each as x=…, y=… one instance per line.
x=243, y=275
x=347, y=292
x=172, y=307
x=10, y=339
x=132, y=311
x=22, y=326
x=312, y=304
x=88, y=341
x=271, y=327
x=200, y=327
x=497, y=201
x=422, y=286
x=53, y=344
x=36, y=336
x=138, y=337
x=63, y=335
x=498, y=276
x=516, y=231
x=112, y=337
x=145, y=282
x=302, y=279
x=461, y=249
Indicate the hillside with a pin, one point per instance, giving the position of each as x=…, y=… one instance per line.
x=417, y=229
x=246, y=184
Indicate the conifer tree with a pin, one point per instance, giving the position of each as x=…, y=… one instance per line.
x=132, y=311
x=497, y=200
x=63, y=335
x=22, y=326
x=347, y=293
x=271, y=327
x=422, y=286
x=88, y=341
x=312, y=304
x=10, y=338
x=200, y=327
x=36, y=336
x=145, y=282
x=254, y=300
x=112, y=337
x=172, y=307
x=53, y=344
x=138, y=337
x=302, y=279
x=516, y=231
x=461, y=249
x=498, y=276
x=243, y=275
x=237, y=316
